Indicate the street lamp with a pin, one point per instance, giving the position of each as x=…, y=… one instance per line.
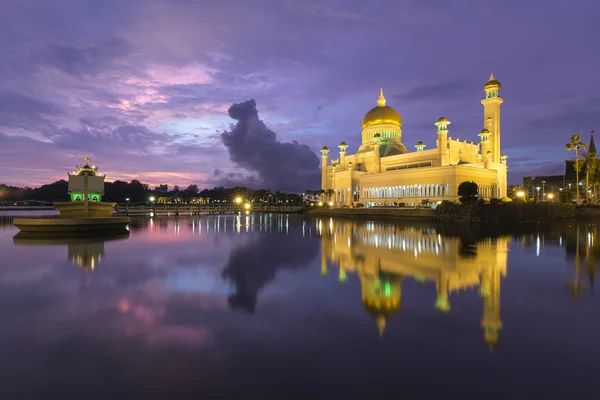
x=247, y=206
x=127, y=199
x=238, y=200
x=538, y=191
x=550, y=196
x=520, y=194
x=151, y=199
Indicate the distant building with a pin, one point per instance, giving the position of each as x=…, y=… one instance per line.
x=161, y=188
x=182, y=200
x=383, y=171
x=557, y=183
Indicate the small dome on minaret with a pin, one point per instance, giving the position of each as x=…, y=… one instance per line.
x=492, y=83
x=324, y=148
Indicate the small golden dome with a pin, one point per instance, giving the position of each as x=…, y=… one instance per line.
x=324, y=148
x=492, y=83
x=442, y=119
x=382, y=114
x=484, y=131
x=343, y=144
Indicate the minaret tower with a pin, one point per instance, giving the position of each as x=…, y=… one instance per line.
x=491, y=115
x=343, y=147
x=442, y=139
x=324, y=161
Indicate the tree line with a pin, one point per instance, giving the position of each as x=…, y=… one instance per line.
x=138, y=192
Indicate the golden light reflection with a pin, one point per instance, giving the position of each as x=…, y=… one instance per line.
x=383, y=256
x=86, y=251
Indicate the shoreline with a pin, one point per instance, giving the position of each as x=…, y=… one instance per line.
x=422, y=214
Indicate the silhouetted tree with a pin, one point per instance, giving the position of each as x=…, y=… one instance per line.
x=468, y=192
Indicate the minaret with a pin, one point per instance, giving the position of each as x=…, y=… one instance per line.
x=592, y=146
x=441, y=302
x=343, y=146
x=324, y=160
x=490, y=291
x=442, y=139
x=491, y=113
x=491, y=322
x=420, y=146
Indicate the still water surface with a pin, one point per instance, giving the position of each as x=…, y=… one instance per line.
x=278, y=306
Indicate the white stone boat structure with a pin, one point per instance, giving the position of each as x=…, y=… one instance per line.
x=84, y=213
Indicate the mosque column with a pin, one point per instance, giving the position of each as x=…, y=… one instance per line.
x=376, y=154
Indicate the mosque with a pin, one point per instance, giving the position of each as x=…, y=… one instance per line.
x=385, y=257
x=383, y=171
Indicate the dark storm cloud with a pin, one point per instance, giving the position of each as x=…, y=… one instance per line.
x=449, y=90
x=280, y=166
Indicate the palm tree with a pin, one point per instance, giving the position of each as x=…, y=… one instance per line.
x=330, y=193
x=592, y=166
x=576, y=144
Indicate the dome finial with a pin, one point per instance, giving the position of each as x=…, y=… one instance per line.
x=381, y=324
x=381, y=99
x=492, y=77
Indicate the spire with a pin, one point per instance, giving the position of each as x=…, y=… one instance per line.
x=381, y=99
x=592, y=146
x=492, y=77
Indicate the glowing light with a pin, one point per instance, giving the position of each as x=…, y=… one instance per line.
x=238, y=200
x=320, y=203
x=550, y=196
x=151, y=198
x=331, y=204
x=247, y=206
x=520, y=193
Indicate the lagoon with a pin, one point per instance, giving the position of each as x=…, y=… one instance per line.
x=286, y=306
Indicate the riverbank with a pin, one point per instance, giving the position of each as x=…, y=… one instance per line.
x=26, y=208
x=503, y=213
x=421, y=214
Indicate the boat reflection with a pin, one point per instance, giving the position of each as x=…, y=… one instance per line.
x=384, y=256
x=85, y=251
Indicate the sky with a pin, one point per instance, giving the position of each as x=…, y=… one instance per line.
x=143, y=87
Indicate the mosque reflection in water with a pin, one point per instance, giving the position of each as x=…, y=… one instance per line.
x=384, y=256
x=85, y=252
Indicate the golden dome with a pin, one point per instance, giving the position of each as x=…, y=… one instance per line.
x=324, y=148
x=492, y=83
x=442, y=119
x=382, y=114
